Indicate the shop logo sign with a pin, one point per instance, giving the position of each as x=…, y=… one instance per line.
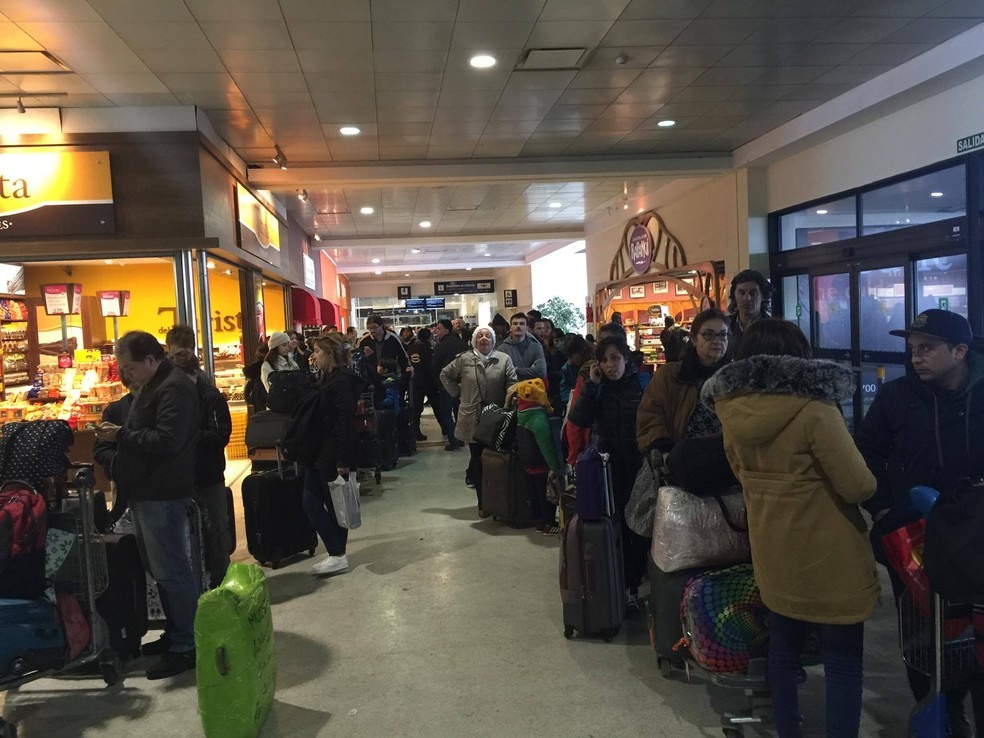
x=55, y=193
x=641, y=249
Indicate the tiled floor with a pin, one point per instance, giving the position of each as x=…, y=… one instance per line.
x=444, y=626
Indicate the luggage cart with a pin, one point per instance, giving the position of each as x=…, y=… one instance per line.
x=85, y=574
x=936, y=638
x=366, y=426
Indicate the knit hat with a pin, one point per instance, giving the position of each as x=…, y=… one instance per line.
x=277, y=340
x=499, y=320
x=533, y=390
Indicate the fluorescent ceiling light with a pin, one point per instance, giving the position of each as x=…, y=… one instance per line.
x=425, y=224
x=482, y=61
x=366, y=210
x=350, y=130
x=666, y=123
x=936, y=194
x=375, y=261
x=821, y=212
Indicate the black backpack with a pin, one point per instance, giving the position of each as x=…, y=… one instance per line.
x=303, y=434
x=288, y=388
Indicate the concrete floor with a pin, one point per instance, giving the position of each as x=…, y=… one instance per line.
x=444, y=626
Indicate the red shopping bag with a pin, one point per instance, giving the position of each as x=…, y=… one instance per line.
x=904, y=551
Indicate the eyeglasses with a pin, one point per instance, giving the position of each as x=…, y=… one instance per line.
x=711, y=335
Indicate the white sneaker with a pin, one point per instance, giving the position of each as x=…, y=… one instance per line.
x=331, y=565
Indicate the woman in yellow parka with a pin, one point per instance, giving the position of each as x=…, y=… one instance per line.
x=802, y=478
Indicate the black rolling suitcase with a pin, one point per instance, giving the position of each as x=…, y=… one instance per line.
x=123, y=606
x=592, y=584
x=276, y=525
x=231, y=512
x=387, y=452
x=406, y=434
x=665, y=593
x=505, y=489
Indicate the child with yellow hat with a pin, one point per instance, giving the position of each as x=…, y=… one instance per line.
x=536, y=449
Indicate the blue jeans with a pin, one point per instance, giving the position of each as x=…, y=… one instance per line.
x=445, y=411
x=842, y=647
x=161, y=527
x=320, y=511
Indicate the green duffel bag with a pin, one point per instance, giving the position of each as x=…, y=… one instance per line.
x=236, y=664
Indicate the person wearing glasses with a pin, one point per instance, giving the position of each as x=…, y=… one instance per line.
x=669, y=410
x=927, y=428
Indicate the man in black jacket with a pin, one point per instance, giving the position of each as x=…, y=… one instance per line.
x=214, y=431
x=926, y=428
x=449, y=345
x=154, y=468
x=382, y=344
x=421, y=354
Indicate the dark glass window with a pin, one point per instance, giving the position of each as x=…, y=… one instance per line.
x=926, y=199
x=824, y=223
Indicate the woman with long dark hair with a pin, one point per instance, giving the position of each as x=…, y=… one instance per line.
x=339, y=389
x=802, y=478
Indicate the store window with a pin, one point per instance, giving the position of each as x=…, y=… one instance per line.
x=274, y=307
x=826, y=222
x=832, y=310
x=941, y=282
x=881, y=308
x=796, y=301
x=925, y=199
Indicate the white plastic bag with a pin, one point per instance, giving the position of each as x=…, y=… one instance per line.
x=345, y=500
x=691, y=531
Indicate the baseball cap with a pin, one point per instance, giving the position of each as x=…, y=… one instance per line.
x=951, y=327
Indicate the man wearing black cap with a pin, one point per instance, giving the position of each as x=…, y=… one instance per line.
x=926, y=428
x=449, y=345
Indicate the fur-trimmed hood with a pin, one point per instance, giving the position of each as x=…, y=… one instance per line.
x=764, y=393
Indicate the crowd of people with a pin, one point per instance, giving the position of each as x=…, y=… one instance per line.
x=740, y=375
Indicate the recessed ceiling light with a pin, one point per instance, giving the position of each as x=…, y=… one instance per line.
x=378, y=272
x=556, y=204
x=317, y=236
x=425, y=224
x=414, y=251
x=936, y=194
x=488, y=254
x=821, y=212
x=482, y=61
x=302, y=195
x=107, y=261
x=366, y=210
x=211, y=265
x=227, y=271
x=666, y=123
x=407, y=274
x=350, y=130
x=375, y=261
x=468, y=269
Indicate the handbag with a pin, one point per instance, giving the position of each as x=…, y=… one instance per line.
x=496, y=426
x=641, y=506
x=33, y=450
x=700, y=465
x=690, y=531
x=345, y=500
x=953, y=555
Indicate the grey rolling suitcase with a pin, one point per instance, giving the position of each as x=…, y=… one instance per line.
x=592, y=584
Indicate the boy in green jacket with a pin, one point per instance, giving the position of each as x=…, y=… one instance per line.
x=537, y=452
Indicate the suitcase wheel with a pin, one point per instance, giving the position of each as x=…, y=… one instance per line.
x=665, y=667
x=275, y=564
x=111, y=669
x=609, y=635
x=568, y=631
x=379, y=473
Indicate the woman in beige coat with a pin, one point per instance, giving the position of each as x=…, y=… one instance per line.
x=802, y=479
x=476, y=378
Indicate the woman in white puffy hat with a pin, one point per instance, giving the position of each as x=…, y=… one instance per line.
x=279, y=358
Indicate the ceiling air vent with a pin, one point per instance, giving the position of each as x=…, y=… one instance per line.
x=551, y=59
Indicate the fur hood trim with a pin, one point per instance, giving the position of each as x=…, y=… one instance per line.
x=781, y=375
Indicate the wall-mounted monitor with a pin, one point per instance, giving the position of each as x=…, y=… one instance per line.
x=434, y=303
x=415, y=303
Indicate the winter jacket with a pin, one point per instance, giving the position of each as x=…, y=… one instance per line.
x=913, y=434
x=669, y=401
x=527, y=356
x=446, y=350
x=420, y=355
x=555, y=364
x=534, y=440
x=284, y=364
x=388, y=397
x=476, y=383
x=155, y=457
x=214, y=431
x=339, y=392
x=568, y=378
x=609, y=410
x=391, y=347
x=254, y=391
x=737, y=332
x=802, y=479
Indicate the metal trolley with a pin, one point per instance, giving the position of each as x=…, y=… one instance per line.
x=85, y=574
x=936, y=638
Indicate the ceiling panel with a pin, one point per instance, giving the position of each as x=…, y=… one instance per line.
x=292, y=72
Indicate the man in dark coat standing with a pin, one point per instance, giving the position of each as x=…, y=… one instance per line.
x=154, y=467
x=449, y=345
x=421, y=354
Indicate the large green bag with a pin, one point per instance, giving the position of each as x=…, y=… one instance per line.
x=237, y=670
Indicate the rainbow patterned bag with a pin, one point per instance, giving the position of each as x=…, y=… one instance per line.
x=724, y=619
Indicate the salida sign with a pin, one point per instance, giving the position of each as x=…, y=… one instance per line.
x=55, y=193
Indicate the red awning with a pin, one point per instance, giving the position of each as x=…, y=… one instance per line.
x=305, y=306
x=328, y=312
